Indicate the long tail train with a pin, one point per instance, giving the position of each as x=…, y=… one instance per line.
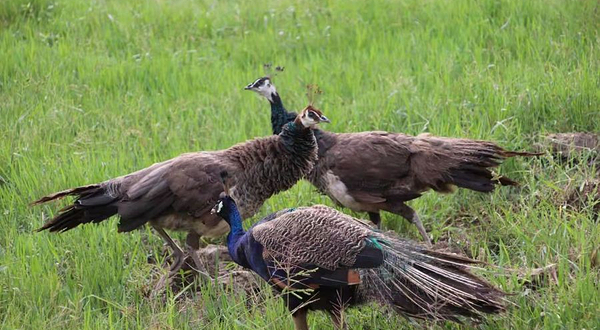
x=421, y=283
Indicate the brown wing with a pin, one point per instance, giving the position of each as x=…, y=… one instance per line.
x=372, y=165
x=188, y=184
x=378, y=166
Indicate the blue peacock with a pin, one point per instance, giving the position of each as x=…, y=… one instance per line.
x=321, y=259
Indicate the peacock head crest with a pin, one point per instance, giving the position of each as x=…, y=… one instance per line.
x=264, y=86
x=225, y=205
x=310, y=117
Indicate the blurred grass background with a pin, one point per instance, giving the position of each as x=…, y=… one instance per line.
x=90, y=90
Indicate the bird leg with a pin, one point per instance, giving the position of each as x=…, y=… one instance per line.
x=300, y=322
x=192, y=242
x=409, y=214
x=178, y=257
x=375, y=218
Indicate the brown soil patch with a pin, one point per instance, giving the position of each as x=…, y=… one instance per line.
x=587, y=194
x=567, y=146
x=219, y=269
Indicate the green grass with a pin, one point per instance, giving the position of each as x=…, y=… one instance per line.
x=90, y=90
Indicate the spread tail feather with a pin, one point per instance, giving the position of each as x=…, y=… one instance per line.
x=470, y=163
x=425, y=284
x=473, y=173
x=93, y=204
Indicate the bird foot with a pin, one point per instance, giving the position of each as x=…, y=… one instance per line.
x=179, y=258
x=186, y=261
x=198, y=265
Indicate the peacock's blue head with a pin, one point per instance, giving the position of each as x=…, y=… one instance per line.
x=263, y=86
x=225, y=208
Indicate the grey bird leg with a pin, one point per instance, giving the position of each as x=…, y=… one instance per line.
x=178, y=258
x=375, y=218
x=178, y=255
x=409, y=214
x=300, y=322
x=192, y=242
x=338, y=320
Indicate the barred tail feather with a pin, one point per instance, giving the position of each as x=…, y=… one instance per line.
x=474, y=159
x=69, y=192
x=93, y=204
x=425, y=284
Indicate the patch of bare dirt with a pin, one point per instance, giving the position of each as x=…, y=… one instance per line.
x=572, y=146
x=585, y=195
x=219, y=269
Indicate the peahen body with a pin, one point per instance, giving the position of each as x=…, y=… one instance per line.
x=380, y=171
x=178, y=194
x=321, y=259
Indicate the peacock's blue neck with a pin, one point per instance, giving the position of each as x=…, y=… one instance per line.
x=236, y=232
x=279, y=115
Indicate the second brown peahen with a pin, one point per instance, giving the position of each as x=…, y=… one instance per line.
x=179, y=193
x=321, y=259
x=380, y=171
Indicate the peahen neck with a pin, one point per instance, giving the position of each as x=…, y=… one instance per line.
x=236, y=232
x=279, y=115
x=297, y=139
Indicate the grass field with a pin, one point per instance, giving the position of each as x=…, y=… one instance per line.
x=90, y=90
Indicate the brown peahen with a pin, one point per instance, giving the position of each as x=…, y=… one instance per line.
x=178, y=194
x=380, y=171
x=321, y=259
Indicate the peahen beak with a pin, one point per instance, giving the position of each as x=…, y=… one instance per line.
x=248, y=88
x=324, y=119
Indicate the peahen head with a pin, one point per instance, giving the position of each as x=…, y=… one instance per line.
x=310, y=117
x=225, y=206
x=263, y=86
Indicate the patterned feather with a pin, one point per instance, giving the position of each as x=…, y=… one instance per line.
x=316, y=235
x=418, y=283
x=318, y=257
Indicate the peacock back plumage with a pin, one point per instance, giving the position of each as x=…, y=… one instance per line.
x=321, y=258
x=320, y=243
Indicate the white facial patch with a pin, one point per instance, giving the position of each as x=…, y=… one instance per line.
x=267, y=90
x=219, y=206
x=307, y=121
